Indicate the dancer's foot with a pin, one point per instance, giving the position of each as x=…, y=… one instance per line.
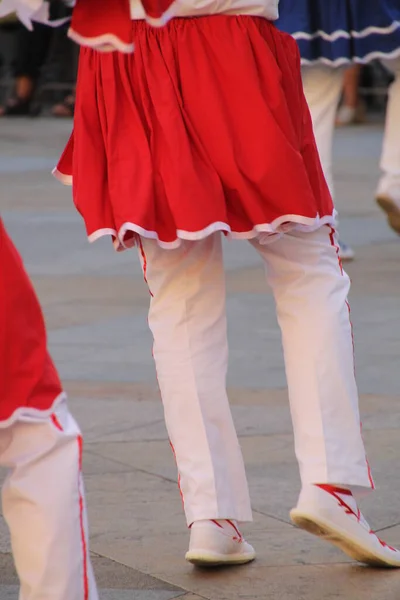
x=346, y=252
x=332, y=514
x=16, y=107
x=392, y=209
x=350, y=115
x=65, y=109
x=218, y=542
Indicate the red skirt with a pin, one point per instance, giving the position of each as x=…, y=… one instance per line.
x=29, y=382
x=203, y=128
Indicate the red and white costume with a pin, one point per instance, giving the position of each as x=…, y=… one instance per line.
x=204, y=129
x=41, y=444
x=202, y=159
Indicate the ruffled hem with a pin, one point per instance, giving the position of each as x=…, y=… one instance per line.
x=348, y=41
x=29, y=414
x=199, y=171
x=265, y=232
x=345, y=60
x=66, y=179
x=342, y=47
x=111, y=41
x=107, y=42
x=341, y=33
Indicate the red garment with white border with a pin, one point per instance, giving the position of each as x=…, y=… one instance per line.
x=28, y=379
x=100, y=24
x=203, y=128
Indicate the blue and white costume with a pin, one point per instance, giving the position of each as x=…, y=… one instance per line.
x=334, y=34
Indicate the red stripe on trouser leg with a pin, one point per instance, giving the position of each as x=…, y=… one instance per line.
x=144, y=259
x=56, y=422
x=371, y=481
x=82, y=524
x=333, y=243
x=179, y=476
x=334, y=489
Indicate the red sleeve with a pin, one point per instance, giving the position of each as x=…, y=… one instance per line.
x=106, y=24
x=28, y=378
x=97, y=23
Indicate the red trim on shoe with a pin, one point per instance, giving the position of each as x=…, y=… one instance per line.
x=382, y=543
x=239, y=537
x=331, y=489
x=334, y=491
x=216, y=523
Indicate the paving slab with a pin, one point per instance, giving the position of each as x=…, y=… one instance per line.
x=116, y=581
x=302, y=582
x=95, y=304
x=10, y=592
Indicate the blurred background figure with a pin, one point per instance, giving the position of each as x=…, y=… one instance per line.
x=42, y=64
x=352, y=108
x=332, y=36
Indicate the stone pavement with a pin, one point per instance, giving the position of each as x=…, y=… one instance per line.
x=95, y=304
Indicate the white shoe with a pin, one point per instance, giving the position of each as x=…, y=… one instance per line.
x=346, y=115
x=332, y=514
x=346, y=253
x=218, y=542
x=392, y=210
x=349, y=115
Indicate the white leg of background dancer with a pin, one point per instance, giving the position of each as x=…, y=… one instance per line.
x=322, y=89
x=187, y=318
x=44, y=507
x=388, y=192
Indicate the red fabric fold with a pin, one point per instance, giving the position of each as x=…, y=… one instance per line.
x=106, y=24
x=196, y=134
x=98, y=22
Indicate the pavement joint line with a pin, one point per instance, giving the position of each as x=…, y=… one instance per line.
x=387, y=527
x=264, y=514
x=159, y=577
x=132, y=468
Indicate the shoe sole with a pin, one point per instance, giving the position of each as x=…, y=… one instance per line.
x=392, y=211
x=203, y=559
x=348, y=258
x=340, y=539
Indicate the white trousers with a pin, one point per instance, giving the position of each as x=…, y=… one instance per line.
x=44, y=507
x=322, y=89
x=188, y=322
